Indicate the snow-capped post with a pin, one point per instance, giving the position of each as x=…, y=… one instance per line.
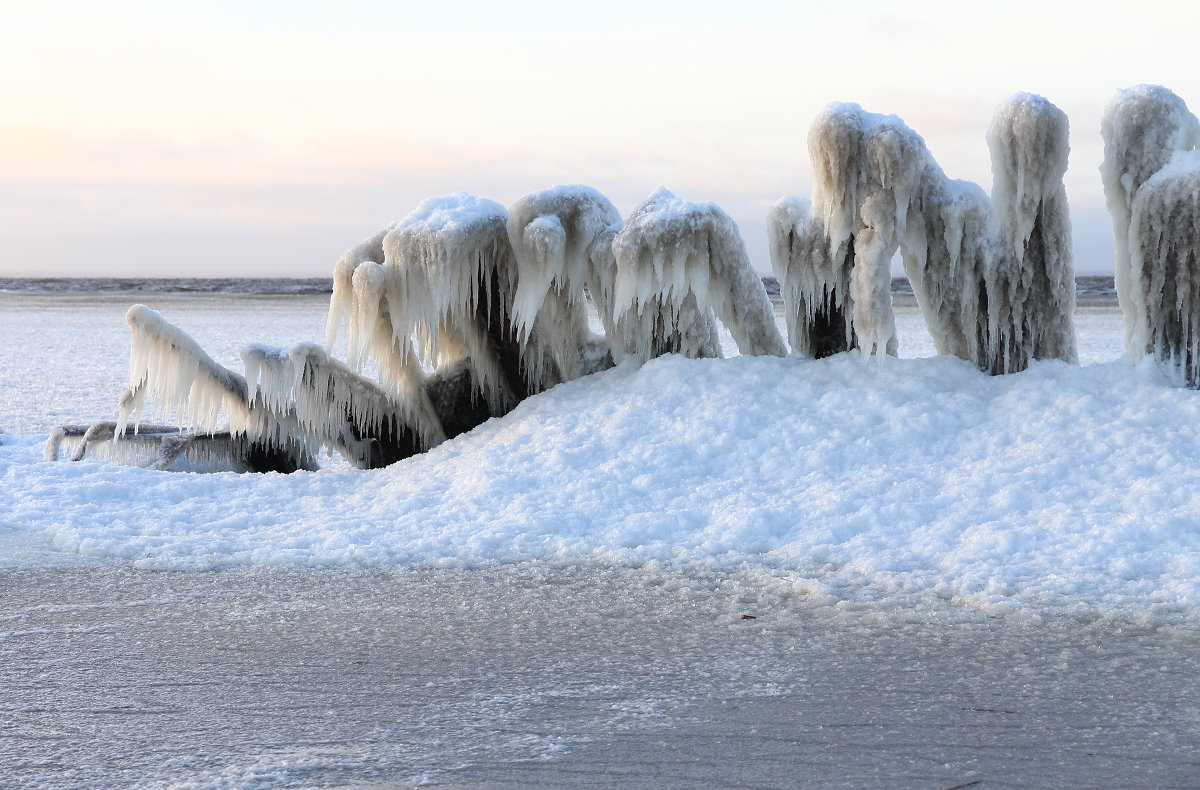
x=815, y=286
x=679, y=266
x=1031, y=285
x=1151, y=176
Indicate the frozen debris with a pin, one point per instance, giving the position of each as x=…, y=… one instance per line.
x=814, y=283
x=1151, y=176
x=161, y=447
x=679, y=266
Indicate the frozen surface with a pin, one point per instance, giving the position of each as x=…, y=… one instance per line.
x=561, y=676
x=954, y=577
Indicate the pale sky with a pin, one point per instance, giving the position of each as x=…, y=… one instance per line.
x=223, y=138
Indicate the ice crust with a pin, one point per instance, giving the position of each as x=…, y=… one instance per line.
x=994, y=278
x=1151, y=177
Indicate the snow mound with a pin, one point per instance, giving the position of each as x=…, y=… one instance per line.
x=911, y=484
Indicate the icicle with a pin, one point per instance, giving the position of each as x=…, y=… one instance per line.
x=814, y=285
x=167, y=364
x=449, y=271
x=370, y=250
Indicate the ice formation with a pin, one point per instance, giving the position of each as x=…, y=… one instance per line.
x=1031, y=287
x=204, y=396
x=993, y=279
x=679, y=265
x=552, y=231
x=1151, y=176
x=814, y=280
x=340, y=409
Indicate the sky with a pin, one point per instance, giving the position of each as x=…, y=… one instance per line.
x=221, y=138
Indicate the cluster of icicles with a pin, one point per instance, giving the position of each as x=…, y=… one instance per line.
x=464, y=308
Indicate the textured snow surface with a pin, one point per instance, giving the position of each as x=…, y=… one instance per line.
x=911, y=483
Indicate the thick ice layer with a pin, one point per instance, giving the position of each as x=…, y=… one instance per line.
x=814, y=283
x=993, y=278
x=370, y=250
x=334, y=406
x=677, y=264
x=919, y=482
x=867, y=170
x=948, y=249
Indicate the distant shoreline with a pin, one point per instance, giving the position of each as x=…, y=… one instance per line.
x=1086, y=286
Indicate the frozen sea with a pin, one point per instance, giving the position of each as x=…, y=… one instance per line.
x=738, y=573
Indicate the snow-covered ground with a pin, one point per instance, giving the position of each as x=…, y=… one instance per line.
x=936, y=559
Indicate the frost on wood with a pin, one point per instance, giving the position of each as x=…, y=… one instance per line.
x=993, y=278
x=1151, y=180
x=678, y=266
x=552, y=231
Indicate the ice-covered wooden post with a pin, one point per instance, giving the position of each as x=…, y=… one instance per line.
x=1151, y=176
x=552, y=232
x=814, y=282
x=1031, y=286
x=676, y=267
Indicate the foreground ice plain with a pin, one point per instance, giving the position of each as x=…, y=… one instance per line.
x=1059, y=651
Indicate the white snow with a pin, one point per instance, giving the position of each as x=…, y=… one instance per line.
x=900, y=487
